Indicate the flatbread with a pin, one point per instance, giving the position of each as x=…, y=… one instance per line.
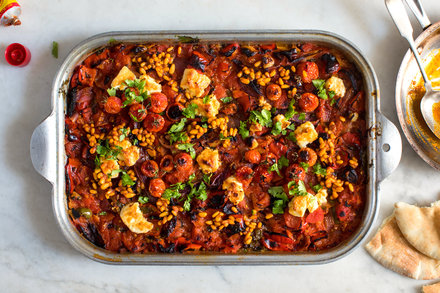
x=390, y=249
x=435, y=288
x=420, y=226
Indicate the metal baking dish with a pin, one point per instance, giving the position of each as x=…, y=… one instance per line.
x=48, y=157
x=419, y=136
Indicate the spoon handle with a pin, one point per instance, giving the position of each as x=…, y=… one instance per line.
x=401, y=20
x=417, y=8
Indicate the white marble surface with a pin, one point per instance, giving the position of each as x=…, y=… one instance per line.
x=35, y=257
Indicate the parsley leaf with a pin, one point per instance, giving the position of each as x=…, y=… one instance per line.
x=298, y=188
x=111, y=92
x=177, y=127
x=187, y=147
x=282, y=199
x=126, y=179
x=190, y=111
x=305, y=166
x=290, y=110
x=277, y=129
x=178, y=136
x=319, y=170
x=105, y=152
x=124, y=134
x=102, y=213
x=291, y=127
x=317, y=187
x=244, y=132
x=55, y=49
x=283, y=162
x=302, y=116
x=275, y=168
x=319, y=85
x=188, y=39
x=264, y=117
x=143, y=199
x=206, y=99
x=291, y=137
x=207, y=178
x=227, y=99
x=173, y=191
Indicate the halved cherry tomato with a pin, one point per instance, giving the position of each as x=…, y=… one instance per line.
x=166, y=164
x=308, y=156
x=137, y=112
x=157, y=187
x=154, y=122
x=159, y=102
x=113, y=105
x=149, y=168
x=253, y=156
x=273, y=92
x=308, y=71
x=308, y=102
x=315, y=217
x=183, y=161
x=295, y=172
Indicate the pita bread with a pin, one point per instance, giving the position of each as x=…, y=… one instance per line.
x=435, y=288
x=420, y=226
x=390, y=249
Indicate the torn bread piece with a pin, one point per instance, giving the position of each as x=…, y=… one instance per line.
x=390, y=248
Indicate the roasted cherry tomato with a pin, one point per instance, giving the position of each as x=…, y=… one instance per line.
x=268, y=47
x=253, y=156
x=166, y=164
x=157, y=187
x=245, y=175
x=149, y=168
x=262, y=175
x=137, y=112
x=273, y=92
x=295, y=172
x=183, y=161
x=154, y=122
x=159, y=103
x=308, y=102
x=308, y=71
x=308, y=156
x=113, y=105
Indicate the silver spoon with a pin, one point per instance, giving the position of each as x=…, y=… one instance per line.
x=431, y=97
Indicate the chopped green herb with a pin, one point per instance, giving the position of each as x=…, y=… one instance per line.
x=319, y=170
x=290, y=110
x=280, y=203
x=317, y=187
x=178, y=136
x=190, y=111
x=187, y=147
x=298, y=188
x=277, y=129
x=173, y=191
x=291, y=127
x=222, y=137
x=55, y=49
x=244, y=132
x=264, y=117
x=319, y=84
x=124, y=134
x=112, y=41
x=206, y=99
x=111, y=92
x=105, y=152
x=102, y=213
x=291, y=137
x=177, y=127
x=126, y=179
x=227, y=100
x=207, y=178
x=302, y=116
x=305, y=166
x=188, y=39
x=283, y=162
x=131, y=95
x=143, y=199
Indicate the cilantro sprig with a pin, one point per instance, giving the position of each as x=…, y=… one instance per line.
x=319, y=84
x=281, y=163
x=297, y=188
x=280, y=203
x=319, y=170
x=176, y=131
x=264, y=117
x=105, y=152
x=227, y=100
x=187, y=147
x=190, y=111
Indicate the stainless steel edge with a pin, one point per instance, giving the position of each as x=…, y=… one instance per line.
x=374, y=122
x=389, y=148
x=42, y=148
x=418, y=11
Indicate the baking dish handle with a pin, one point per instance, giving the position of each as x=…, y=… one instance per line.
x=43, y=148
x=389, y=147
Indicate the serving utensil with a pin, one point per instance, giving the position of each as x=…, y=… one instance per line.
x=431, y=97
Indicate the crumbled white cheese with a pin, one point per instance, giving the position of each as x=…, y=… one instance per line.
x=336, y=85
x=123, y=75
x=210, y=109
x=151, y=85
x=299, y=204
x=194, y=82
x=133, y=218
x=305, y=134
x=235, y=191
x=109, y=166
x=209, y=160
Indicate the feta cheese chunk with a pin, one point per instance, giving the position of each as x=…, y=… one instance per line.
x=336, y=85
x=210, y=109
x=123, y=75
x=151, y=86
x=133, y=218
x=209, y=160
x=305, y=134
x=108, y=166
x=321, y=196
x=299, y=204
x=194, y=82
x=234, y=189
x=129, y=155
